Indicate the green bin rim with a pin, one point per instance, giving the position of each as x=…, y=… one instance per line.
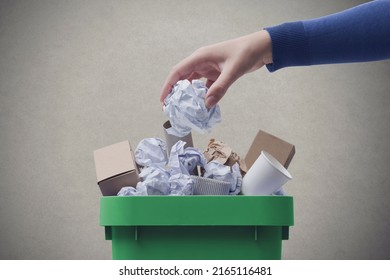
x=196, y=211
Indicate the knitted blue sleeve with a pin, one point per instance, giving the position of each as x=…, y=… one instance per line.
x=358, y=34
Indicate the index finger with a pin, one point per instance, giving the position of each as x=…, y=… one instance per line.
x=182, y=70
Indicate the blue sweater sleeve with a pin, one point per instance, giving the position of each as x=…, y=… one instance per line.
x=358, y=34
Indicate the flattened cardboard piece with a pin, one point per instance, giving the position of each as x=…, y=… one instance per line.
x=112, y=161
x=278, y=148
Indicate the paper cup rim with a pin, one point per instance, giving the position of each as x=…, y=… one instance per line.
x=275, y=163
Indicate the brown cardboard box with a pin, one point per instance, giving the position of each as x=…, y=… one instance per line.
x=115, y=168
x=278, y=148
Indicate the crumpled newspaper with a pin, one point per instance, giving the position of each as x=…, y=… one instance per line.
x=216, y=170
x=185, y=160
x=221, y=152
x=151, y=152
x=186, y=109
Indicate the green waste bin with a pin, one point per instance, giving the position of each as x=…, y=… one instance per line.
x=196, y=227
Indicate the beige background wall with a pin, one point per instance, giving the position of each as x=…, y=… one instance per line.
x=78, y=75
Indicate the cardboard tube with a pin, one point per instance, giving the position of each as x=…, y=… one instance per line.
x=172, y=139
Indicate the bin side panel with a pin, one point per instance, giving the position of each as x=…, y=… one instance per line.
x=196, y=242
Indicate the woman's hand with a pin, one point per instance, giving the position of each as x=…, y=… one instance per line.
x=222, y=64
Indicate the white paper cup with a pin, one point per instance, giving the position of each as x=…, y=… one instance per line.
x=265, y=176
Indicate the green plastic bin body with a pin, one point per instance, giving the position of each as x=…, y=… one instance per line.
x=196, y=227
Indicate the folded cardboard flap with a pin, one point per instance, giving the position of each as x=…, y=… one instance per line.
x=112, y=186
x=278, y=148
x=115, y=168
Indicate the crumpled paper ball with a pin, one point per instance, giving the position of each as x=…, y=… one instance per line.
x=154, y=182
x=186, y=109
x=185, y=160
x=151, y=152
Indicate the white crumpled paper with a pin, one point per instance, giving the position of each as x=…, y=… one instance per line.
x=181, y=184
x=185, y=160
x=127, y=191
x=154, y=181
x=186, y=109
x=151, y=152
x=221, y=172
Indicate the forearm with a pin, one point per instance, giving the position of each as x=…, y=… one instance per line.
x=355, y=35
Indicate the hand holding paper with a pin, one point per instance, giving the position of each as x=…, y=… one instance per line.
x=186, y=109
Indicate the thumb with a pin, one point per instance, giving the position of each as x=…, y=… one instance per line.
x=218, y=89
